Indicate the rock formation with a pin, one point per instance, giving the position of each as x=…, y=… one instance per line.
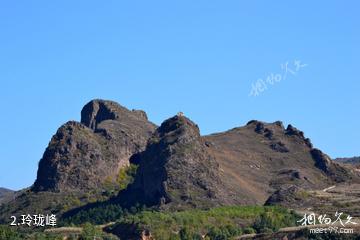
x=177, y=167
x=81, y=156
x=176, y=170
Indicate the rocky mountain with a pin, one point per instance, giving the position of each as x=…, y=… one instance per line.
x=261, y=158
x=81, y=156
x=353, y=160
x=5, y=195
x=177, y=171
x=177, y=167
x=245, y=165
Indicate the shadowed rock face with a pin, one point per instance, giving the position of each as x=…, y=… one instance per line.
x=176, y=170
x=334, y=170
x=80, y=156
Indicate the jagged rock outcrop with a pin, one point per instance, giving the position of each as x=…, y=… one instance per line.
x=176, y=170
x=81, y=156
x=293, y=131
x=289, y=196
x=334, y=170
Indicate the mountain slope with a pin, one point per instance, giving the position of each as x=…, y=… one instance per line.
x=5, y=195
x=261, y=158
x=353, y=160
x=82, y=156
x=245, y=165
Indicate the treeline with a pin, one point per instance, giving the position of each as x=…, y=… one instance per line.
x=219, y=223
x=99, y=213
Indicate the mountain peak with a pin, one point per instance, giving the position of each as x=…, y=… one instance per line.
x=175, y=169
x=98, y=110
x=81, y=156
x=178, y=123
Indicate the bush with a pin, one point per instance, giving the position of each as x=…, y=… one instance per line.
x=89, y=232
x=223, y=232
x=9, y=233
x=270, y=221
x=103, y=213
x=249, y=230
x=126, y=176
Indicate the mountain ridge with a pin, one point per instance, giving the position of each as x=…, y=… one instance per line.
x=83, y=155
x=177, y=167
x=348, y=160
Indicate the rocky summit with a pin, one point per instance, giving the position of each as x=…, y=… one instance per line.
x=176, y=170
x=82, y=155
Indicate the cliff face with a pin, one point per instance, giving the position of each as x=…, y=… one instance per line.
x=81, y=156
x=176, y=170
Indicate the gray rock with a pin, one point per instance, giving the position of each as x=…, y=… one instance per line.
x=81, y=156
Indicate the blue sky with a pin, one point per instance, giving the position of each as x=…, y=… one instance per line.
x=199, y=57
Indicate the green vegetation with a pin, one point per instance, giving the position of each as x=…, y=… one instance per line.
x=89, y=232
x=11, y=233
x=125, y=177
x=216, y=223
x=219, y=223
x=95, y=215
x=272, y=221
x=100, y=213
x=71, y=202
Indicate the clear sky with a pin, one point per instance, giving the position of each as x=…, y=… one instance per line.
x=199, y=57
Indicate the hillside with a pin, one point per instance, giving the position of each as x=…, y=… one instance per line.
x=5, y=195
x=261, y=158
x=245, y=165
x=352, y=160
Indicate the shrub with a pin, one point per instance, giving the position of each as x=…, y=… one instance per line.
x=249, y=230
x=9, y=233
x=89, y=232
x=100, y=214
